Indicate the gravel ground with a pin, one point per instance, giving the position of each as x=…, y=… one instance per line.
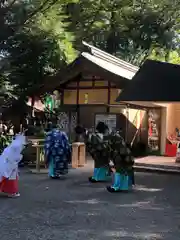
x=73, y=209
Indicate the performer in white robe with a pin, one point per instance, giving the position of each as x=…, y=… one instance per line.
x=9, y=161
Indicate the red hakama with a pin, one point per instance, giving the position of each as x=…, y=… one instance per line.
x=9, y=186
x=9, y=160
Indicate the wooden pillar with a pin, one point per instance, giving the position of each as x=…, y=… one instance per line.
x=163, y=130
x=75, y=155
x=78, y=155
x=93, y=82
x=109, y=96
x=82, y=155
x=62, y=97
x=38, y=158
x=77, y=102
x=127, y=123
x=32, y=106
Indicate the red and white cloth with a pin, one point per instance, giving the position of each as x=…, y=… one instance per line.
x=9, y=161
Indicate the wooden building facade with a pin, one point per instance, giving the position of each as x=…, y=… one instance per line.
x=87, y=94
x=89, y=99
x=157, y=83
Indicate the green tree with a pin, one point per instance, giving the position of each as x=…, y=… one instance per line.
x=36, y=43
x=38, y=37
x=160, y=55
x=128, y=29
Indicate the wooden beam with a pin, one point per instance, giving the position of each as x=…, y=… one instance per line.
x=90, y=80
x=62, y=97
x=109, y=96
x=93, y=82
x=88, y=87
x=77, y=102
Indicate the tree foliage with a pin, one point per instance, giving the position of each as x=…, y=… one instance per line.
x=36, y=44
x=128, y=29
x=38, y=37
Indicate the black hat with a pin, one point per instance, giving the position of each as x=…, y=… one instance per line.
x=101, y=127
x=79, y=129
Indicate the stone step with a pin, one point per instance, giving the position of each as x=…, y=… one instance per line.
x=155, y=169
x=161, y=166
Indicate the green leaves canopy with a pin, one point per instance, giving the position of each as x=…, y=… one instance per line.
x=36, y=44
x=38, y=37
x=127, y=29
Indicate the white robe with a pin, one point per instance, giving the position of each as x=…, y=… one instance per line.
x=11, y=157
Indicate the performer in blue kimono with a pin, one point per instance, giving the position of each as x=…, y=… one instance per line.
x=57, y=152
x=123, y=173
x=97, y=146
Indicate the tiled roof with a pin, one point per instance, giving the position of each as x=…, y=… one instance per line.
x=109, y=62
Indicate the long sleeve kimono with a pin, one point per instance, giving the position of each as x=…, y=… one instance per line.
x=97, y=147
x=57, y=152
x=9, y=161
x=123, y=163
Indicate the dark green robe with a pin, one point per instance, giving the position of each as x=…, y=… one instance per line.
x=98, y=148
x=120, y=154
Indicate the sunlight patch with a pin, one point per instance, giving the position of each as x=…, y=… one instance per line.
x=88, y=201
x=146, y=189
x=139, y=236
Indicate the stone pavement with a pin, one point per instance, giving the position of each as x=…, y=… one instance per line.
x=73, y=209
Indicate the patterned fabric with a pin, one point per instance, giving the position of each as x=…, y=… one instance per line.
x=98, y=148
x=57, y=151
x=120, y=154
x=111, y=147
